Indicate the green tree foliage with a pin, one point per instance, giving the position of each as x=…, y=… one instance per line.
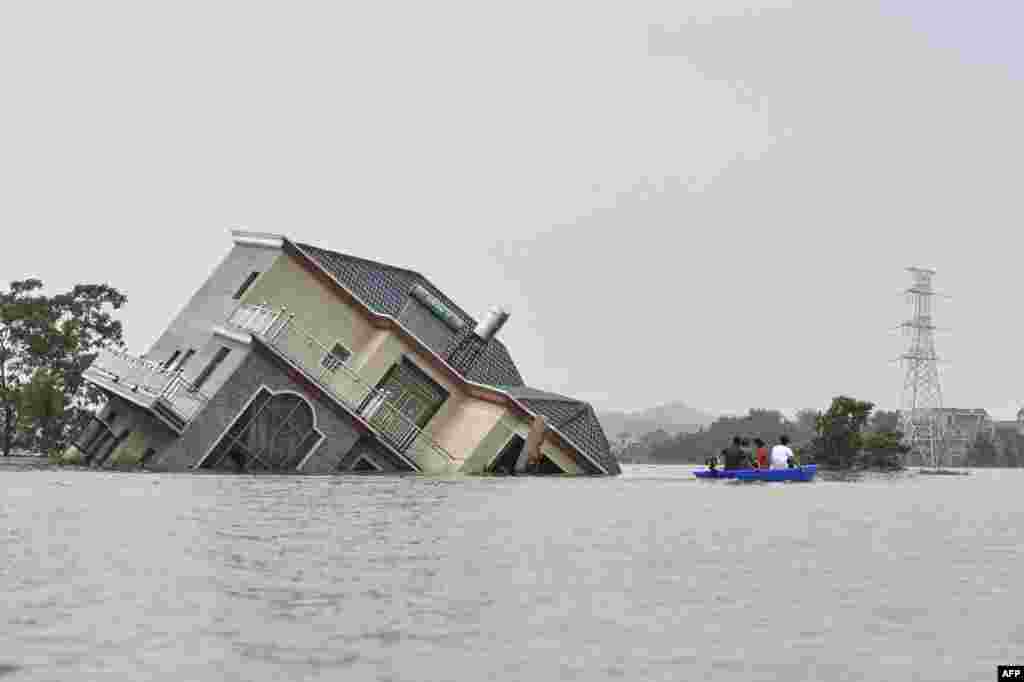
x=22, y=312
x=46, y=344
x=42, y=400
x=839, y=428
x=844, y=439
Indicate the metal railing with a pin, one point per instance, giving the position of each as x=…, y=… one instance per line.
x=152, y=379
x=257, y=319
x=277, y=329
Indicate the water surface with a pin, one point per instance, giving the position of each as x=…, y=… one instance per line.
x=649, y=576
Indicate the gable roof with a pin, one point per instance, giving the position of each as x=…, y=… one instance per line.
x=385, y=290
x=573, y=419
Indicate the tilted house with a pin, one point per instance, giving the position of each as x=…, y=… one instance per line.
x=294, y=358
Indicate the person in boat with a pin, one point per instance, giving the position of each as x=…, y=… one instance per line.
x=735, y=456
x=760, y=454
x=750, y=445
x=782, y=455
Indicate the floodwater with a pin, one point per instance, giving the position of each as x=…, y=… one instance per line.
x=649, y=576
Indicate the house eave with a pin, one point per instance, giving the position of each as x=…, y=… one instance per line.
x=264, y=239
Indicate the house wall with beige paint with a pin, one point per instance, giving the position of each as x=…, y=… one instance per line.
x=508, y=425
x=316, y=308
x=460, y=423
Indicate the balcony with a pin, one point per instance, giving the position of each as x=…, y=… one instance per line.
x=279, y=331
x=167, y=393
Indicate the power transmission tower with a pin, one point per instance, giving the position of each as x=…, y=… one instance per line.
x=921, y=402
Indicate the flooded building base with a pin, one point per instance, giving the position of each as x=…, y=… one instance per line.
x=294, y=358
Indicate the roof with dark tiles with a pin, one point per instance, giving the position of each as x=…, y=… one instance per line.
x=385, y=290
x=574, y=419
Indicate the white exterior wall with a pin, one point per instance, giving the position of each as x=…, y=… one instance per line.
x=213, y=304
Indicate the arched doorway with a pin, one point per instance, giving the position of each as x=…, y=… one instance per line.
x=275, y=432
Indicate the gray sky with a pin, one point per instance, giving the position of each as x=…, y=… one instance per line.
x=708, y=201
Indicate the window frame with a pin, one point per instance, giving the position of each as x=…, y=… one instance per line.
x=171, y=360
x=218, y=358
x=189, y=354
x=243, y=421
x=331, y=361
x=246, y=285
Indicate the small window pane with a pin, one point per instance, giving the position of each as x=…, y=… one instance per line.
x=333, y=360
x=246, y=284
x=171, y=360
x=222, y=353
x=184, y=360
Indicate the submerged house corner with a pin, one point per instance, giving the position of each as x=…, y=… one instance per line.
x=291, y=357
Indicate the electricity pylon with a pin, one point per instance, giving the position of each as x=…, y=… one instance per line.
x=921, y=403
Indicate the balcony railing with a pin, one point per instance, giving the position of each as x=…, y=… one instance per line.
x=278, y=330
x=151, y=381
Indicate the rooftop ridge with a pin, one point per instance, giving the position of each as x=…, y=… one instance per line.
x=350, y=256
x=470, y=319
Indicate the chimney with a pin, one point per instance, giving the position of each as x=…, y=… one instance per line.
x=492, y=324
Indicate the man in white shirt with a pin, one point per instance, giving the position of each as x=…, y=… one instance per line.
x=781, y=453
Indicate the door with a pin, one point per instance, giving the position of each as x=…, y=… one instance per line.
x=411, y=398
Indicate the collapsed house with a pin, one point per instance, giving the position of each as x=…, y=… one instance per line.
x=291, y=357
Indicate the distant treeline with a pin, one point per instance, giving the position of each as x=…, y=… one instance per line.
x=849, y=434
x=757, y=423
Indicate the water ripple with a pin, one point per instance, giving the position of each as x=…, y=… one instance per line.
x=649, y=576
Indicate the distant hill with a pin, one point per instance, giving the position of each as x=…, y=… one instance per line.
x=675, y=417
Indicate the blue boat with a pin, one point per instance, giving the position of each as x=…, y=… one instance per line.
x=718, y=473
x=802, y=473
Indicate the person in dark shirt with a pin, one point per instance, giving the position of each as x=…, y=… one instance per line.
x=735, y=456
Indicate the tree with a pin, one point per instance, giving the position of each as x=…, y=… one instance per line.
x=22, y=312
x=46, y=344
x=844, y=438
x=42, y=402
x=839, y=432
x=882, y=449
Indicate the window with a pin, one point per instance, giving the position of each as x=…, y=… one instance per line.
x=333, y=360
x=412, y=399
x=222, y=353
x=246, y=284
x=275, y=432
x=171, y=360
x=184, y=360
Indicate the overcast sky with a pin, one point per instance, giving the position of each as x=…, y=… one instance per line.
x=708, y=201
